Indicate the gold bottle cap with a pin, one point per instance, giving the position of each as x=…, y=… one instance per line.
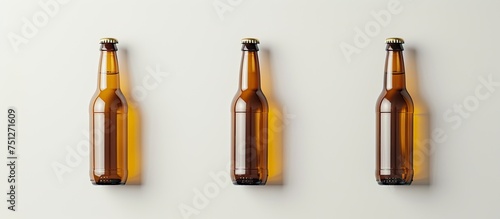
x=250, y=40
x=108, y=40
x=394, y=40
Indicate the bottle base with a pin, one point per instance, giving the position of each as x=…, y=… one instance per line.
x=248, y=181
x=107, y=180
x=403, y=176
x=249, y=177
x=393, y=181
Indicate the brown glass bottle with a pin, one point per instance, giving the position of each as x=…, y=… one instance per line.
x=394, y=163
x=249, y=122
x=108, y=122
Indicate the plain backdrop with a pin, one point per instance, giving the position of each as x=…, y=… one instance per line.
x=322, y=71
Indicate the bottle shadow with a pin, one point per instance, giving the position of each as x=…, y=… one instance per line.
x=421, y=127
x=135, y=150
x=276, y=125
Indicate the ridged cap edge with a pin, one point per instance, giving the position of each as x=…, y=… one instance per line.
x=394, y=40
x=108, y=40
x=250, y=40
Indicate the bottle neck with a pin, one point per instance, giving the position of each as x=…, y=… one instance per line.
x=250, y=70
x=108, y=71
x=394, y=69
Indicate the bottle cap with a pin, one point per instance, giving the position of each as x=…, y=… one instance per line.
x=108, y=40
x=395, y=40
x=250, y=40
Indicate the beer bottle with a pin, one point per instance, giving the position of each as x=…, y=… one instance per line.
x=394, y=163
x=108, y=122
x=249, y=122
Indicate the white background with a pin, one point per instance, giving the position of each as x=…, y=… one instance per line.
x=323, y=106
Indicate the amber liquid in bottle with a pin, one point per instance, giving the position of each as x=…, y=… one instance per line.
x=108, y=122
x=394, y=163
x=249, y=122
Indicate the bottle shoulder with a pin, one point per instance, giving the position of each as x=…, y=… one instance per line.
x=250, y=101
x=108, y=100
x=395, y=101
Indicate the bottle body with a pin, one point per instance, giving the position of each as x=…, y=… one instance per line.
x=394, y=123
x=108, y=126
x=394, y=139
x=249, y=125
x=249, y=140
